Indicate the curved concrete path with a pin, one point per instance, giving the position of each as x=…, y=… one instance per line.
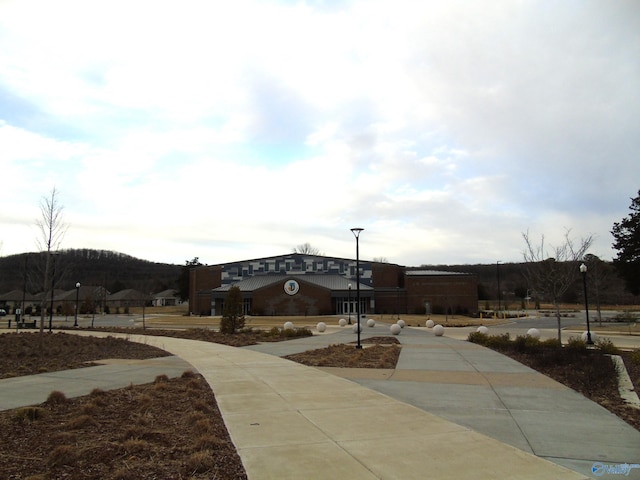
x=289, y=421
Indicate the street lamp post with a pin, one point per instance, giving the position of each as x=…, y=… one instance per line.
x=356, y=233
x=349, y=304
x=75, y=324
x=499, y=293
x=583, y=270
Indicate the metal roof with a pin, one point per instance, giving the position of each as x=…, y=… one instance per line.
x=331, y=282
x=432, y=273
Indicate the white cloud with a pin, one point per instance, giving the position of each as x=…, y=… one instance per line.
x=225, y=129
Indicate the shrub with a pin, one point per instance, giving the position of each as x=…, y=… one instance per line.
x=56, y=398
x=30, y=414
x=81, y=421
x=499, y=342
x=576, y=344
x=62, y=455
x=200, y=462
x=134, y=445
x=635, y=357
x=478, y=337
x=208, y=442
x=606, y=346
x=161, y=379
x=551, y=343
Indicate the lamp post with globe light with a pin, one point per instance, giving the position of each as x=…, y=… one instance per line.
x=75, y=324
x=583, y=270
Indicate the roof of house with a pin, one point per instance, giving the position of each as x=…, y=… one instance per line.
x=128, y=294
x=172, y=292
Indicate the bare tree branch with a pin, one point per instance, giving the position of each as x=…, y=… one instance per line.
x=551, y=271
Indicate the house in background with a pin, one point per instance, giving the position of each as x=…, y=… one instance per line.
x=127, y=298
x=166, y=298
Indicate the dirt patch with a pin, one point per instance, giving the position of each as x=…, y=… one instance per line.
x=121, y=434
x=383, y=353
x=31, y=353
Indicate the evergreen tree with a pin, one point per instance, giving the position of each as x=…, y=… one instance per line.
x=232, y=312
x=627, y=242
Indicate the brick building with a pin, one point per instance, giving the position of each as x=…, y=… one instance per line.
x=300, y=284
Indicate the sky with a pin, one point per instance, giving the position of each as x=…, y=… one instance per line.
x=238, y=130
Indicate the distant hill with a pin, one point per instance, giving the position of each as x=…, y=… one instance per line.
x=115, y=271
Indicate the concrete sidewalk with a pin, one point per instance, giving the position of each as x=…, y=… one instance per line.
x=490, y=393
x=289, y=421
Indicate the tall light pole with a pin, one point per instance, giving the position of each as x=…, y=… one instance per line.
x=356, y=233
x=75, y=324
x=349, y=305
x=498, y=275
x=583, y=270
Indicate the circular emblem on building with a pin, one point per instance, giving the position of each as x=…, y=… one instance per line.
x=291, y=287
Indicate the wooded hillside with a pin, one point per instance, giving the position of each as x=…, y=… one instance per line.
x=116, y=271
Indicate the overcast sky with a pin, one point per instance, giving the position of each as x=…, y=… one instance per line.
x=230, y=130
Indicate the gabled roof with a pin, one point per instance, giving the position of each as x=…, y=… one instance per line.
x=331, y=282
x=172, y=292
x=16, y=296
x=128, y=294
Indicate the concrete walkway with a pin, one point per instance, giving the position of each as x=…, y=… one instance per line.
x=440, y=414
x=490, y=393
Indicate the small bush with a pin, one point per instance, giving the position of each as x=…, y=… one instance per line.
x=30, y=414
x=576, y=344
x=161, y=379
x=478, y=337
x=499, y=342
x=189, y=374
x=62, y=455
x=551, y=343
x=606, y=346
x=200, y=462
x=134, y=445
x=81, y=421
x=208, y=442
x=635, y=357
x=56, y=398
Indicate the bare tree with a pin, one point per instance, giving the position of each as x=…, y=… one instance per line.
x=551, y=271
x=52, y=230
x=381, y=259
x=307, y=249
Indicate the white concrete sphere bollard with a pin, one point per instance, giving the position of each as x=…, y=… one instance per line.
x=533, y=333
x=594, y=337
x=342, y=322
x=430, y=323
x=482, y=329
x=371, y=322
x=401, y=323
x=288, y=325
x=321, y=327
x=357, y=327
x=395, y=329
x=438, y=330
